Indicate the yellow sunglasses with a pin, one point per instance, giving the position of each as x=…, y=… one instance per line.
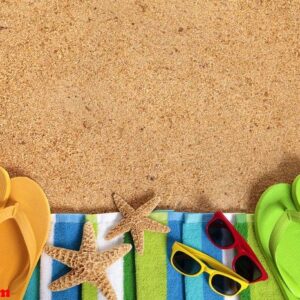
x=191, y=262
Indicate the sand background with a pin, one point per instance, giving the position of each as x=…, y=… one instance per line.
x=197, y=101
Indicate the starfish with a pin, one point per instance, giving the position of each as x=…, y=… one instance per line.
x=87, y=264
x=136, y=221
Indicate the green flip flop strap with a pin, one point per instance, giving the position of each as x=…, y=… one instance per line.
x=288, y=217
x=277, y=237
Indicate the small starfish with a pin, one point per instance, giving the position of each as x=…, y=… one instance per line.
x=136, y=221
x=88, y=264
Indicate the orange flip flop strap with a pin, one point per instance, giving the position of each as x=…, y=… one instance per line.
x=14, y=212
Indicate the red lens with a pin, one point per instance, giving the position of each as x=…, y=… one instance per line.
x=247, y=268
x=220, y=234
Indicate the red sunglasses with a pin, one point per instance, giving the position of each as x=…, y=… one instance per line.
x=224, y=236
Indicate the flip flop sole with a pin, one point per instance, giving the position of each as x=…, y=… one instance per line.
x=34, y=204
x=296, y=192
x=5, y=187
x=272, y=204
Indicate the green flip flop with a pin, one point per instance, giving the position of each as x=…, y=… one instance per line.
x=296, y=192
x=277, y=225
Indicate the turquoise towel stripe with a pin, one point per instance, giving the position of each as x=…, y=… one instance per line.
x=33, y=289
x=175, y=284
x=210, y=249
x=67, y=234
x=192, y=237
x=191, y=218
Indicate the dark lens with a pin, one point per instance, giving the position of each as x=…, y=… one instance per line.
x=247, y=268
x=185, y=263
x=220, y=234
x=225, y=285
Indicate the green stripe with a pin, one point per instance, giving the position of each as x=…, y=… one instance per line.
x=89, y=291
x=129, y=272
x=151, y=267
x=269, y=289
x=242, y=227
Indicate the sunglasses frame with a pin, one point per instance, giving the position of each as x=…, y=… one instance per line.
x=241, y=246
x=199, y=256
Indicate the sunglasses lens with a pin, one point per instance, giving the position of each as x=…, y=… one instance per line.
x=224, y=285
x=245, y=267
x=220, y=234
x=185, y=263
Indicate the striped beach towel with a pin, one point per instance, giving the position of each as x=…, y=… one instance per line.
x=150, y=276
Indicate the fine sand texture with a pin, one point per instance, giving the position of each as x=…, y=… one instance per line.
x=195, y=101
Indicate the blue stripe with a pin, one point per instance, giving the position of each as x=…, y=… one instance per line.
x=192, y=237
x=175, y=281
x=210, y=249
x=67, y=234
x=33, y=289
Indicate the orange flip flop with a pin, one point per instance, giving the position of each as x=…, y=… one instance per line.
x=24, y=228
x=4, y=187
